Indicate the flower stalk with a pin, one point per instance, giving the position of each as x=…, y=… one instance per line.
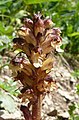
x=36, y=39
x=36, y=108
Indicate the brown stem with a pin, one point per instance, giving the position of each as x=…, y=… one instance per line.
x=36, y=109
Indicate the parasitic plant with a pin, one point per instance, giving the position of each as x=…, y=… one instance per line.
x=37, y=38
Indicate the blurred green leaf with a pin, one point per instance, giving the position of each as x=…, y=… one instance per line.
x=10, y=86
x=76, y=73
x=5, y=42
x=20, y=14
x=9, y=30
x=71, y=109
x=4, y=39
x=38, y=1
x=76, y=117
x=6, y=30
x=73, y=34
x=2, y=2
x=2, y=29
x=77, y=86
x=3, y=47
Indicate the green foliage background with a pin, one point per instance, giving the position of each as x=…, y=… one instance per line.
x=64, y=14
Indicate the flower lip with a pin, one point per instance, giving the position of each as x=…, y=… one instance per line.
x=23, y=28
x=56, y=31
x=17, y=61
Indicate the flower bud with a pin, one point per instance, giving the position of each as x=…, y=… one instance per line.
x=48, y=23
x=39, y=27
x=27, y=34
x=28, y=23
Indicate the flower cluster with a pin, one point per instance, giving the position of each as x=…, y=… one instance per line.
x=37, y=38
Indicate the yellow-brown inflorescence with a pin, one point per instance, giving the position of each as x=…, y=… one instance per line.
x=37, y=39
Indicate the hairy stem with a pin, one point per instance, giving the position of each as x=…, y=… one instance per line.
x=36, y=108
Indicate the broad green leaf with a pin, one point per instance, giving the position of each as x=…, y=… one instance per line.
x=38, y=1
x=7, y=102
